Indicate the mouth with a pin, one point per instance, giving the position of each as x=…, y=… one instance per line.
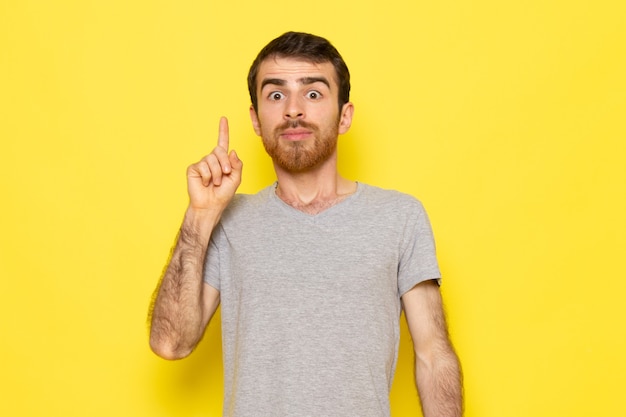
x=295, y=134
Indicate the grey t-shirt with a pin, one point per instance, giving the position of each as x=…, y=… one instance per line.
x=310, y=304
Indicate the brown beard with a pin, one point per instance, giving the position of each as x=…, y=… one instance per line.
x=300, y=156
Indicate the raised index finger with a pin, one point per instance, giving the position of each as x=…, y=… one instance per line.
x=222, y=139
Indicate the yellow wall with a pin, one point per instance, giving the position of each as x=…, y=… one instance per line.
x=507, y=119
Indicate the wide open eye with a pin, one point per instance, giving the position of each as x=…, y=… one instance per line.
x=276, y=96
x=314, y=95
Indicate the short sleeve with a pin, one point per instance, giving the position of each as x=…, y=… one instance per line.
x=418, y=259
x=212, y=259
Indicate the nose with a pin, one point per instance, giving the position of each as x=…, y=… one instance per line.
x=294, y=109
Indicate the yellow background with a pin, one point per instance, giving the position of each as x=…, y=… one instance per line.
x=507, y=119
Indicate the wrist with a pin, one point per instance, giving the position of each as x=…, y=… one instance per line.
x=202, y=221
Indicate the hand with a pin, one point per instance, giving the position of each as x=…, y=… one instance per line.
x=213, y=181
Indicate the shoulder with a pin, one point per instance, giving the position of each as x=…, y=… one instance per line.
x=390, y=199
x=250, y=200
x=247, y=205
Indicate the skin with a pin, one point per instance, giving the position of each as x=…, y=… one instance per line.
x=292, y=91
x=299, y=122
x=437, y=368
x=183, y=304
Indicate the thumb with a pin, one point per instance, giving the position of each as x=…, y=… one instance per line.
x=235, y=162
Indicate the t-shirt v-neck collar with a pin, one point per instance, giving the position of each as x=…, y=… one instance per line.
x=324, y=213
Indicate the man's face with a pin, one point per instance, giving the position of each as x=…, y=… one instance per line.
x=298, y=113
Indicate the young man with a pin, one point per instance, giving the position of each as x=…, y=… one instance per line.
x=311, y=272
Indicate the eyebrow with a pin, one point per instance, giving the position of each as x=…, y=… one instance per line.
x=303, y=81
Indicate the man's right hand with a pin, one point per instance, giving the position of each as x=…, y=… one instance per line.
x=183, y=304
x=213, y=181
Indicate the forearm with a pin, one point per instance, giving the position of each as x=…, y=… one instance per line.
x=439, y=382
x=177, y=317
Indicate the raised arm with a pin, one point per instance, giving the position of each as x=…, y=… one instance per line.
x=437, y=369
x=183, y=304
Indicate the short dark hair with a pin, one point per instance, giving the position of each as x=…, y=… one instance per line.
x=307, y=47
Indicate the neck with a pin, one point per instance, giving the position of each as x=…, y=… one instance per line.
x=313, y=191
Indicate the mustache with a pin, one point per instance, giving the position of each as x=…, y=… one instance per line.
x=294, y=124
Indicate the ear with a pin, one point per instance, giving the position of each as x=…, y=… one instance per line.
x=255, y=121
x=345, y=121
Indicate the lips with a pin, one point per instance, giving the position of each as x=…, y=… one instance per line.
x=295, y=134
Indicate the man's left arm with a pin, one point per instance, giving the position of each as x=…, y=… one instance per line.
x=437, y=369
